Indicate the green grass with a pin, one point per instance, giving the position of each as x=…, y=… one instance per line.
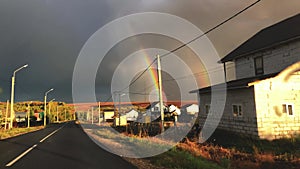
x=17, y=131
x=285, y=146
x=173, y=159
x=180, y=159
x=135, y=144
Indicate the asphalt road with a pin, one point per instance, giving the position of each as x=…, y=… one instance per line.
x=59, y=146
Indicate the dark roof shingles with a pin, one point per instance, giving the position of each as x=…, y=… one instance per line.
x=283, y=31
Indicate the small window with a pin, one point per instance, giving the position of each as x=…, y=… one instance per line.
x=207, y=108
x=237, y=110
x=156, y=108
x=259, y=66
x=287, y=108
x=290, y=108
x=284, y=108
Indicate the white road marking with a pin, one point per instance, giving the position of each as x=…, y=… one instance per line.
x=31, y=148
x=20, y=156
x=50, y=134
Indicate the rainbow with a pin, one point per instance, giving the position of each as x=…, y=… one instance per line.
x=152, y=71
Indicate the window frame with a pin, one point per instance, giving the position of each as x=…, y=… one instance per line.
x=259, y=70
x=207, y=108
x=239, y=112
x=287, y=110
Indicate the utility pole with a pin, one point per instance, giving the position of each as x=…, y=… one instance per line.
x=57, y=113
x=92, y=115
x=28, y=114
x=99, y=112
x=116, y=114
x=160, y=93
x=65, y=115
x=6, y=114
x=119, y=111
x=87, y=115
x=12, y=112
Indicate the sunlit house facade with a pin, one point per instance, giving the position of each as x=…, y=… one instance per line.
x=264, y=100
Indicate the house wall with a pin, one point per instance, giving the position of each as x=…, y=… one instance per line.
x=270, y=94
x=192, y=109
x=108, y=115
x=246, y=124
x=274, y=59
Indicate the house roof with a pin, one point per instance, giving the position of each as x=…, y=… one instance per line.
x=284, y=31
x=188, y=105
x=153, y=104
x=131, y=111
x=236, y=84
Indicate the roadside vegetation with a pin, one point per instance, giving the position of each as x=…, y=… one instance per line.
x=175, y=158
x=57, y=112
x=244, y=152
x=17, y=131
x=224, y=150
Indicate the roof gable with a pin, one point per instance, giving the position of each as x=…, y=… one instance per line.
x=281, y=32
x=153, y=104
x=236, y=84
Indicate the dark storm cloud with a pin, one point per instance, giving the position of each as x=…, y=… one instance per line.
x=49, y=34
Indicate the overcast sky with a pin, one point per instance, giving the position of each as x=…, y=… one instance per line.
x=49, y=34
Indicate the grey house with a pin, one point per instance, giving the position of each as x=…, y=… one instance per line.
x=264, y=100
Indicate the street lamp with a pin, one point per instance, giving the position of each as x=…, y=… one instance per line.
x=28, y=114
x=12, y=112
x=45, y=108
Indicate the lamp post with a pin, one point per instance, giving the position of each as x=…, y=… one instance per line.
x=12, y=112
x=28, y=114
x=6, y=114
x=57, y=113
x=45, y=108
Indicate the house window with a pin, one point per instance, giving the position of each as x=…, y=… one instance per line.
x=259, y=66
x=237, y=110
x=207, y=108
x=288, y=108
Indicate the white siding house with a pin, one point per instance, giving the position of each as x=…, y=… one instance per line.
x=264, y=100
x=153, y=110
x=190, y=109
x=132, y=115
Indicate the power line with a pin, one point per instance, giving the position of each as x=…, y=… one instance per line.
x=140, y=75
x=191, y=41
x=212, y=29
x=198, y=37
x=201, y=73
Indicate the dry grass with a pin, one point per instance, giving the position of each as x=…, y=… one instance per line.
x=130, y=145
x=247, y=153
x=17, y=131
